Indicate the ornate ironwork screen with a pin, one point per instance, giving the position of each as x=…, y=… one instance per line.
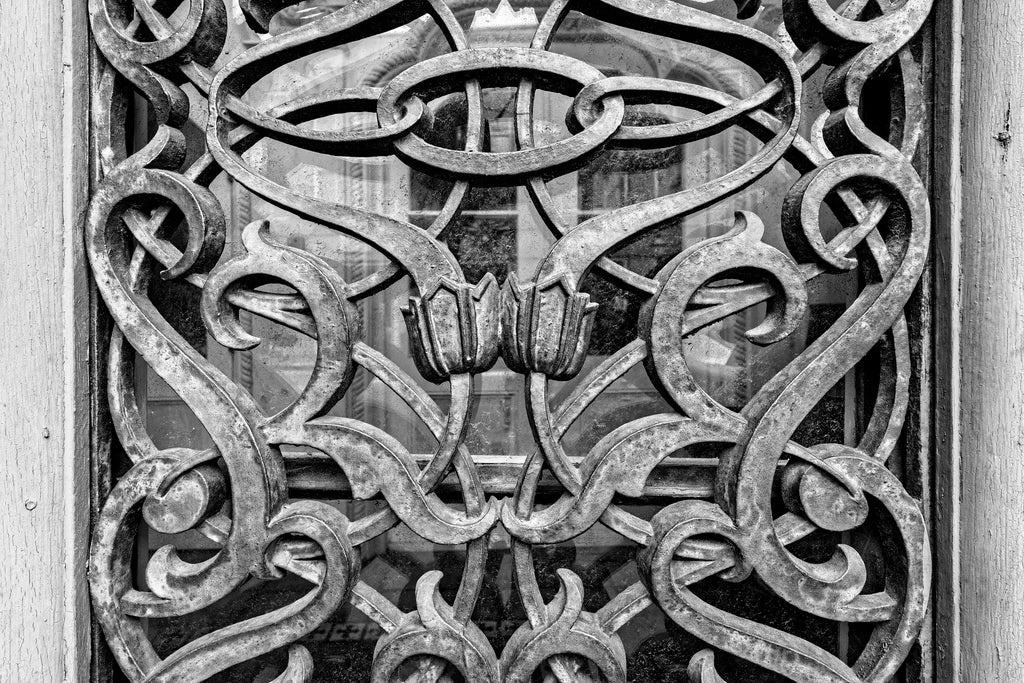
x=716, y=481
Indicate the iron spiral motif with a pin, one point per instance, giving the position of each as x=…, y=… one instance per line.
x=236, y=493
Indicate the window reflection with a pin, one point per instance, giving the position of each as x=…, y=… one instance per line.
x=498, y=231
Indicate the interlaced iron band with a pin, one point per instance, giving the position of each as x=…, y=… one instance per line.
x=236, y=493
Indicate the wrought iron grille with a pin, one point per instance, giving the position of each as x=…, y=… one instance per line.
x=706, y=489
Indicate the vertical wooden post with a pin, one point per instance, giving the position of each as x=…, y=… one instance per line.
x=44, y=494
x=982, y=490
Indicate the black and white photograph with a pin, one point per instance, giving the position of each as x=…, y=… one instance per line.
x=512, y=341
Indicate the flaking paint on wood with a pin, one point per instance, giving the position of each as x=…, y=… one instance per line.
x=992, y=351
x=43, y=431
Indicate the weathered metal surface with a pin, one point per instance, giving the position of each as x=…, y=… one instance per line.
x=237, y=493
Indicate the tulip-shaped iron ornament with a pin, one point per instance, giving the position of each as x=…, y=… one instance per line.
x=546, y=326
x=453, y=328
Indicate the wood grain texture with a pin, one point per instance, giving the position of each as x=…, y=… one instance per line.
x=992, y=350
x=43, y=341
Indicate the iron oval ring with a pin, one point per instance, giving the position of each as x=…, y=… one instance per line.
x=500, y=67
x=362, y=143
x=648, y=90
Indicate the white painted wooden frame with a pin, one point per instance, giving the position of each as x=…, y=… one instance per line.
x=979, y=341
x=44, y=341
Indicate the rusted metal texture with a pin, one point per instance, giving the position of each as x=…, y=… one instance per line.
x=768, y=491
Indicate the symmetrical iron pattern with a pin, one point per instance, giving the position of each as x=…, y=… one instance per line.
x=236, y=493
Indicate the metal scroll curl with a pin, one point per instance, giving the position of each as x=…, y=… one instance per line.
x=153, y=214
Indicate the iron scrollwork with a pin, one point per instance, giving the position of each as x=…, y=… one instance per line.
x=236, y=494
